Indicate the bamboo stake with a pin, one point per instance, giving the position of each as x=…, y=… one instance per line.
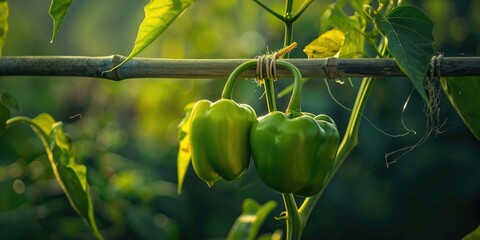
x=95, y=67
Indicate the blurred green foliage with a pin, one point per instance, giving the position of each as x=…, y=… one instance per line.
x=126, y=132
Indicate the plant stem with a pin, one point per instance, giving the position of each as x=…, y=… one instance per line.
x=288, y=9
x=270, y=95
x=301, y=9
x=271, y=11
x=20, y=119
x=288, y=36
x=294, y=221
x=40, y=133
x=350, y=138
x=349, y=141
x=288, y=22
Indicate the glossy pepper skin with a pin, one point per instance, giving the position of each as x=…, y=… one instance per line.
x=294, y=155
x=220, y=139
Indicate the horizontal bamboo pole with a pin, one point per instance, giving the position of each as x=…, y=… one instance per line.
x=215, y=68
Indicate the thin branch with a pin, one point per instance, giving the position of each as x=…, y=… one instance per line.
x=213, y=68
x=271, y=11
x=302, y=9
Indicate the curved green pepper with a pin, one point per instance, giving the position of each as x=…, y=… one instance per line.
x=294, y=152
x=220, y=135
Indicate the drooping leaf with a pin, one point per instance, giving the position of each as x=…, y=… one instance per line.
x=463, y=93
x=45, y=122
x=159, y=14
x=249, y=223
x=474, y=235
x=410, y=41
x=354, y=43
x=326, y=45
x=71, y=175
x=58, y=9
x=184, y=153
x=3, y=23
x=352, y=26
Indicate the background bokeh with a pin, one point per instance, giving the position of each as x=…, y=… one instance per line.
x=126, y=132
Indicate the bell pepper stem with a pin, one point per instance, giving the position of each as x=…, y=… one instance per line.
x=294, y=109
x=294, y=105
x=232, y=79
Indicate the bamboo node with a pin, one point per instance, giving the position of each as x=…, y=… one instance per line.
x=331, y=68
x=436, y=65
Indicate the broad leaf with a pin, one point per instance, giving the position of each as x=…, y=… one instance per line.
x=184, y=153
x=354, y=43
x=353, y=26
x=335, y=16
x=474, y=235
x=58, y=9
x=327, y=45
x=3, y=23
x=464, y=95
x=159, y=14
x=71, y=175
x=249, y=223
x=410, y=41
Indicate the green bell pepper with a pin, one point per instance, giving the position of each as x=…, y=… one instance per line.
x=220, y=135
x=294, y=152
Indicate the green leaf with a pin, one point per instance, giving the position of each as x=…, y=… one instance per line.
x=410, y=41
x=184, y=153
x=463, y=93
x=335, y=16
x=3, y=23
x=474, y=235
x=44, y=122
x=58, y=9
x=249, y=223
x=352, y=26
x=159, y=14
x=71, y=175
x=354, y=43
